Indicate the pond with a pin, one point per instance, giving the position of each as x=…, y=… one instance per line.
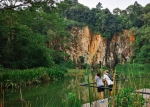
x=54, y=93
x=44, y=95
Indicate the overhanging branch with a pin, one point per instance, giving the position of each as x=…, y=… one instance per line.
x=11, y=4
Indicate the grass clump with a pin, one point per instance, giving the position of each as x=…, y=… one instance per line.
x=71, y=100
x=127, y=98
x=17, y=78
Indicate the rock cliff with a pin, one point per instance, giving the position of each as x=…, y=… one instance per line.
x=86, y=47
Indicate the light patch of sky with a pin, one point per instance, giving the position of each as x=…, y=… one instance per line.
x=112, y=4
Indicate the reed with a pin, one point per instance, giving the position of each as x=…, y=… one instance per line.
x=87, y=72
x=19, y=78
x=133, y=81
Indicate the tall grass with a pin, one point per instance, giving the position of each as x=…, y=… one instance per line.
x=18, y=78
x=132, y=77
x=124, y=89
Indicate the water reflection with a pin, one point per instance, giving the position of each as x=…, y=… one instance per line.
x=52, y=94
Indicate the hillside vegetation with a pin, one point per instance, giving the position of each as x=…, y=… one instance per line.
x=36, y=33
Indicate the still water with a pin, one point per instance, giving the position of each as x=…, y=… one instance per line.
x=44, y=95
x=54, y=93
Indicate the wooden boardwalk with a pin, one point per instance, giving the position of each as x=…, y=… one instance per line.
x=97, y=104
x=145, y=92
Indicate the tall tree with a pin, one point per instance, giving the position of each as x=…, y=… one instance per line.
x=129, y=9
x=146, y=9
x=106, y=22
x=77, y=12
x=116, y=11
x=142, y=46
x=99, y=5
x=23, y=40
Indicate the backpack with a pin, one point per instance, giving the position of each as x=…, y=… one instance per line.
x=110, y=77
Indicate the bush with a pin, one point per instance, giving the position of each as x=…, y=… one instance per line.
x=71, y=100
x=127, y=98
x=133, y=68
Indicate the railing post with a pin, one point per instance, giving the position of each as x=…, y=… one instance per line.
x=114, y=89
x=87, y=72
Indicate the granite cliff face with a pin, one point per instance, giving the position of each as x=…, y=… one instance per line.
x=86, y=47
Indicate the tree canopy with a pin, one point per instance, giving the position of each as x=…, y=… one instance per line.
x=34, y=33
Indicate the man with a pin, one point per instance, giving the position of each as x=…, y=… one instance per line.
x=107, y=79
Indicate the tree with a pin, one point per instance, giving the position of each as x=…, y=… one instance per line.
x=15, y=4
x=116, y=11
x=129, y=9
x=71, y=2
x=99, y=5
x=141, y=46
x=146, y=19
x=77, y=12
x=26, y=49
x=92, y=17
x=123, y=12
x=23, y=40
x=146, y=9
x=106, y=20
x=137, y=9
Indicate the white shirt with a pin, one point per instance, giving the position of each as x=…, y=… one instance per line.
x=109, y=82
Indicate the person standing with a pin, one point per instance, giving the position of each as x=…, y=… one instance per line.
x=100, y=87
x=109, y=82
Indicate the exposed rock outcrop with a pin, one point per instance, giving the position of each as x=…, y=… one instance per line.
x=86, y=47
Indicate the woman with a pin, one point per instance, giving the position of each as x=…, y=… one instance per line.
x=100, y=87
x=108, y=81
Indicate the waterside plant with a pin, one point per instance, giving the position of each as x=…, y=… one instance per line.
x=18, y=78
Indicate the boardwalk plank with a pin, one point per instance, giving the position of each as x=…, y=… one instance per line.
x=97, y=103
x=146, y=95
x=146, y=92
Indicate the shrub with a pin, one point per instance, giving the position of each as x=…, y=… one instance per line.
x=127, y=98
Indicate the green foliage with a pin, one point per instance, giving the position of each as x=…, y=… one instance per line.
x=71, y=100
x=129, y=9
x=56, y=72
x=31, y=76
x=141, y=46
x=67, y=64
x=146, y=9
x=127, y=98
x=104, y=22
x=23, y=40
x=28, y=49
x=133, y=68
x=71, y=23
x=36, y=35
x=24, y=4
x=99, y=5
x=62, y=59
x=116, y=11
x=77, y=12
